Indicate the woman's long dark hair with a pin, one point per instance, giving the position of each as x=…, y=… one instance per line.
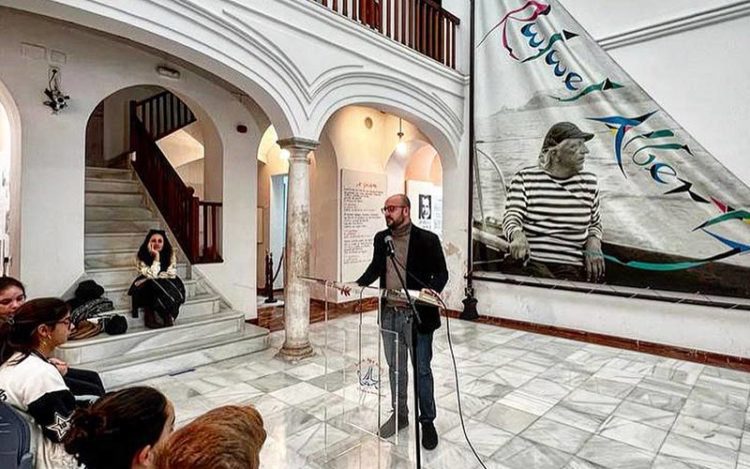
x=17, y=331
x=165, y=257
x=7, y=282
x=109, y=433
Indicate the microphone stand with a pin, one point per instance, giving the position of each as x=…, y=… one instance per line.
x=415, y=370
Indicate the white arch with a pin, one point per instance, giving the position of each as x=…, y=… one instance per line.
x=426, y=111
x=253, y=66
x=14, y=119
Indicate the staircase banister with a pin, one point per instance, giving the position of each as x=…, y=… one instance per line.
x=152, y=98
x=448, y=15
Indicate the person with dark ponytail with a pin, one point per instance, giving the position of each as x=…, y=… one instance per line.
x=157, y=289
x=120, y=430
x=80, y=382
x=30, y=383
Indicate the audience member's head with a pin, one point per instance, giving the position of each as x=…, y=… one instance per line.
x=12, y=295
x=120, y=430
x=36, y=326
x=228, y=437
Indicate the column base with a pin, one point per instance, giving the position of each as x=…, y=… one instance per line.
x=295, y=354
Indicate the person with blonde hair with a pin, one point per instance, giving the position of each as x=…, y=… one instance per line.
x=227, y=437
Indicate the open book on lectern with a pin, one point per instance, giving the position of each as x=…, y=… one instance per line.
x=397, y=296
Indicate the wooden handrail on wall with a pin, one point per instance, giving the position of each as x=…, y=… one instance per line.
x=422, y=25
x=196, y=224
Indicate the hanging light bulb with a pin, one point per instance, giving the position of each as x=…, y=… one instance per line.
x=401, y=145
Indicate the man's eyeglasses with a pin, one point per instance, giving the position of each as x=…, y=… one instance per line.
x=391, y=208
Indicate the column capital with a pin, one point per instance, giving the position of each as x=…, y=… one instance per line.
x=298, y=143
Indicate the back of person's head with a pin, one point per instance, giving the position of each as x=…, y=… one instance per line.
x=12, y=295
x=228, y=437
x=19, y=331
x=119, y=430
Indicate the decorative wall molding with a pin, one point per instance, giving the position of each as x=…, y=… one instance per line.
x=677, y=25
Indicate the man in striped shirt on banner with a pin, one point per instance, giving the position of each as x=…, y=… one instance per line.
x=552, y=211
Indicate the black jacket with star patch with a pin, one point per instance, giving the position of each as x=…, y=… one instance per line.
x=34, y=386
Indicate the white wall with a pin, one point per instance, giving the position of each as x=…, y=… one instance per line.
x=696, y=327
x=52, y=184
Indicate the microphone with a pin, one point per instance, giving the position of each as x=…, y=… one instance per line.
x=389, y=245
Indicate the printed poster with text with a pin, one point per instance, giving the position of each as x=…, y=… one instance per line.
x=362, y=197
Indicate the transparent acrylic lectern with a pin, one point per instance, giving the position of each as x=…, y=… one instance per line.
x=358, y=397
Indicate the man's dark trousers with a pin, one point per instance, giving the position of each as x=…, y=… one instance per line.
x=396, y=323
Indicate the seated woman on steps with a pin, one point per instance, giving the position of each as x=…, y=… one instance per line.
x=80, y=382
x=31, y=384
x=157, y=289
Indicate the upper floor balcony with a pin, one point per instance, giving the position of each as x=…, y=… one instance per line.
x=422, y=25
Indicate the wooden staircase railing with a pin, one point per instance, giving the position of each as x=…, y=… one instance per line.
x=196, y=224
x=163, y=114
x=422, y=25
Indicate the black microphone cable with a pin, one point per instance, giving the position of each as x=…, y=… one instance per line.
x=453, y=356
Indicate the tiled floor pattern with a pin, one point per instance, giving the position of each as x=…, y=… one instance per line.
x=529, y=402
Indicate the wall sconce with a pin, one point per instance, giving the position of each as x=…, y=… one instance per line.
x=57, y=100
x=401, y=145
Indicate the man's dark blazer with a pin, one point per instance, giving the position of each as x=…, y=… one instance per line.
x=425, y=261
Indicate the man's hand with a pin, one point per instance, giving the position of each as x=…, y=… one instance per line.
x=61, y=366
x=345, y=289
x=519, y=247
x=593, y=259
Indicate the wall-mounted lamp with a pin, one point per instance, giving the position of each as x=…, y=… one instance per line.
x=401, y=145
x=168, y=72
x=284, y=154
x=56, y=99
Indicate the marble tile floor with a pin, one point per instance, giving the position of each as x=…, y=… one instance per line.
x=529, y=401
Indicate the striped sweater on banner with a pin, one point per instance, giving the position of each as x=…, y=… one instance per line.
x=557, y=215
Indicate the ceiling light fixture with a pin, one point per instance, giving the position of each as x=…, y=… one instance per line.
x=401, y=145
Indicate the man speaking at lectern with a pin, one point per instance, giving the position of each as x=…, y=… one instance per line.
x=420, y=252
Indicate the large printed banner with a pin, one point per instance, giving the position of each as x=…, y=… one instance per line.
x=649, y=201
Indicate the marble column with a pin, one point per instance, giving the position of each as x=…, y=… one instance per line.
x=297, y=254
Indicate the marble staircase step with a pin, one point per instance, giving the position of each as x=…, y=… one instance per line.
x=109, y=258
x=195, y=307
x=115, y=241
x=93, y=227
x=123, y=371
x=112, y=258
x=112, y=185
x=119, y=293
x=141, y=340
x=103, y=212
x=114, y=199
x=109, y=173
x=108, y=276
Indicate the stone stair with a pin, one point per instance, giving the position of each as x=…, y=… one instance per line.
x=207, y=330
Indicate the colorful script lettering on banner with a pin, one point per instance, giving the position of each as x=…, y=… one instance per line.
x=537, y=67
